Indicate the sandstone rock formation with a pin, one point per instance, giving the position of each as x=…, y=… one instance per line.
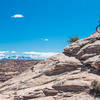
x=11, y=68
x=65, y=76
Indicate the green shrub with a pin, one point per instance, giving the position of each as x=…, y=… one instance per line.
x=73, y=39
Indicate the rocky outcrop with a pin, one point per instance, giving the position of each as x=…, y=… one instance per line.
x=84, y=48
x=76, y=46
x=94, y=62
x=61, y=63
x=71, y=85
x=35, y=94
x=50, y=92
x=93, y=48
x=60, y=77
x=11, y=68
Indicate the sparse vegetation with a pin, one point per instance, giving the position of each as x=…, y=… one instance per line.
x=73, y=39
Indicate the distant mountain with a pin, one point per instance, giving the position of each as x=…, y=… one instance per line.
x=13, y=55
x=16, y=58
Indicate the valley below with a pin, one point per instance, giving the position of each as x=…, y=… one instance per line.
x=12, y=68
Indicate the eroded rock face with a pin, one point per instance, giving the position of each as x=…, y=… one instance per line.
x=93, y=48
x=86, y=50
x=59, y=77
x=32, y=95
x=50, y=92
x=71, y=85
x=74, y=48
x=94, y=62
x=62, y=63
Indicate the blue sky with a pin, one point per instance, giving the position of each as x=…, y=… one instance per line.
x=45, y=25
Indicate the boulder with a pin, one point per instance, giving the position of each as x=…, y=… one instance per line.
x=94, y=62
x=95, y=87
x=34, y=94
x=86, y=56
x=74, y=48
x=50, y=92
x=84, y=48
x=62, y=63
x=71, y=85
x=92, y=49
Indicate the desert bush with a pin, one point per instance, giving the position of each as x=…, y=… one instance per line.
x=73, y=39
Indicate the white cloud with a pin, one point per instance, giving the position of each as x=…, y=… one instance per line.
x=3, y=51
x=13, y=51
x=3, y=54
x=46, y=40
x=40, y=54
x=17, y=16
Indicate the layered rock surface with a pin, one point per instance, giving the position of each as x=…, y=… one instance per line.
x=11, y=68
x=66, y=76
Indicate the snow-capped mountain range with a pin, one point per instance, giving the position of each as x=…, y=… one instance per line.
x=13, y=55
x=16, y=58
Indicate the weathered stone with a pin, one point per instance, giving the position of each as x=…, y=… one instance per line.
x=34, y=94
x=95, y=85
x=64, y=63
x=86, y=56
x=74, y=48
x=94, y=62
x=73, y=86
x=59, y=77
x=18, y=98
x=93, y=48
x=84, y=48
x=50, y=92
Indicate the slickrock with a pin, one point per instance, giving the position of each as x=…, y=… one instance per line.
x=34, y=94
x=94, y=62
x=88, y=46
x=50, y=92
x=76, y=46
x=93, y=48
x=62, y=63
x=71, y=85
x=60, y=77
